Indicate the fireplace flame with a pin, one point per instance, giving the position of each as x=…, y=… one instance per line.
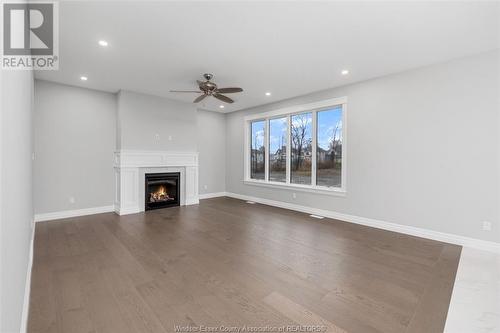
x=160, y=195
x=162, y=191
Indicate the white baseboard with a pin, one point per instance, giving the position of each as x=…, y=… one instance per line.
x=126, y=211
x=404, y=229
x=212, y=195
x=27, y=287
x=192, y=201
x=73, y=213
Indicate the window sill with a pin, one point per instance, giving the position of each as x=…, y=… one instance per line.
x=339, y=192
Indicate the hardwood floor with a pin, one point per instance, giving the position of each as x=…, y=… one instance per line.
x=227, y=263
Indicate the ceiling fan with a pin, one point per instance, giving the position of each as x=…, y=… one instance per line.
x=209, y=88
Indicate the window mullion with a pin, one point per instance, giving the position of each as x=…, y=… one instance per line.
x=314, y=147
x=288, y=149
x=248, y=149
x=266, y=150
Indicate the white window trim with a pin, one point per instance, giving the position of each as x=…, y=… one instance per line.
x=287, y=112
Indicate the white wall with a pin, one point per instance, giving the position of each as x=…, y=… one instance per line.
x=16, y=194
x=74, y=144
x=212, y=151
x=77, y=131
x=423, y=149
x=142, y=117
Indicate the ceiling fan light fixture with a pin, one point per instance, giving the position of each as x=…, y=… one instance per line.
x=209, y=88
x=221, y=106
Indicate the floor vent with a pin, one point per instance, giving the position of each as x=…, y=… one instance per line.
x=317, y=216
x=251, y=202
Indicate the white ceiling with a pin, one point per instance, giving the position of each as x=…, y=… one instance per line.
x=287, y=48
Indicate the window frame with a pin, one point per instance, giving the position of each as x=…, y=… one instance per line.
x=312, y=112
x=288, y=112
x=248, y=149
x=268, y=135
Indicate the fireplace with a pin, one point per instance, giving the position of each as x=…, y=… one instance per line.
x=162, y=190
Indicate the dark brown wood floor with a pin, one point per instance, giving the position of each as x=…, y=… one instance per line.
x=228, y=263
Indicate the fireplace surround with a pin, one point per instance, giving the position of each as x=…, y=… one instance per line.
x=131, y=167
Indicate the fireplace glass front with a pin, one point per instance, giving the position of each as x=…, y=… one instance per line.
x=162, y=190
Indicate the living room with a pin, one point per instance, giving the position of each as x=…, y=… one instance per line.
x=266, y=166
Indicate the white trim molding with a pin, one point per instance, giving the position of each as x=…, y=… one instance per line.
x=390, y=226
x=151, y=159
x=212, y=195
x=27, y=287
x=287, y=113
x=298, y=108
x=131, y=165
x=298, y=187
x=73, y=213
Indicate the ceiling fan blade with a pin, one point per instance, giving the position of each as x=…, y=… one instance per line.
x=229, y=90
x=186, y=91
x=223, y=98
x=199, y=98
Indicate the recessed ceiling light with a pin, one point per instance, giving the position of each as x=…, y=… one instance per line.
x=345, y=72
x=103, y=43
x=221, y=106
x=268, y=94
x=84, y=78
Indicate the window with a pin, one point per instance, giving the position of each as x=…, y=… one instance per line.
x=301, y=135
x=257, y=160
x=278, y=141
x=302, y=147
x=329, y=148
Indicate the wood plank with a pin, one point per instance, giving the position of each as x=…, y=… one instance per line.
x=300, y=314
x=430, y=315
x=225, y=262
x=130, y=302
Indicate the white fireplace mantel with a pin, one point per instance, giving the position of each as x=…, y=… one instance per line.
x=131, y=166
